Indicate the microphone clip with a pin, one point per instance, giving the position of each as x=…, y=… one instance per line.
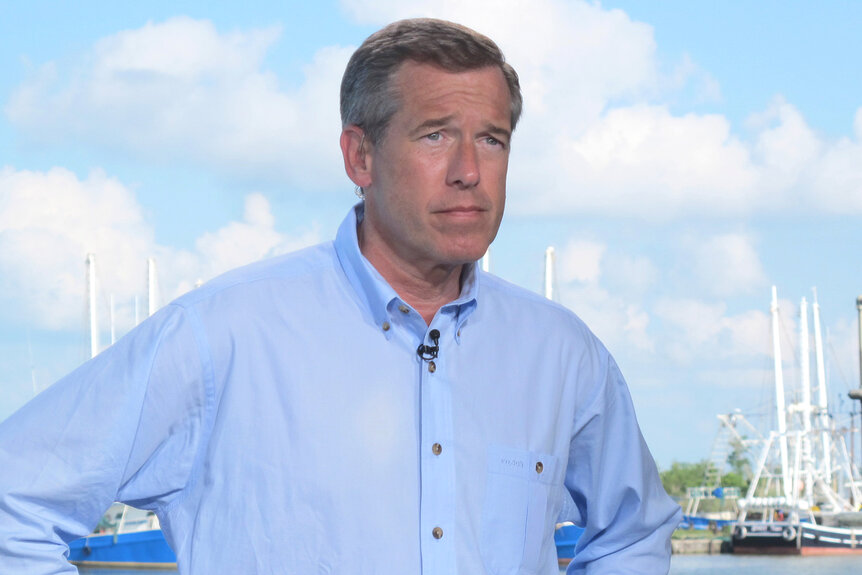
x=429, y=352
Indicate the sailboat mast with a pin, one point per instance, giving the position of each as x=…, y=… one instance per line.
x=805, y=372
x=91, y=304
x=779, y=396
x=549, y=272
x=485, y=262
x=823, y=395
x=152, y=287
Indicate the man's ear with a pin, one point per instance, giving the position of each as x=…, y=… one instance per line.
x=357, y=160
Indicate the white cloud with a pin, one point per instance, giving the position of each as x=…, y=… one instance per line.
x=727, y=264
x=612, y=314
x=597, y=135
x=50, y=220
x=632, y=275
x=703, y=331
x=581, y=261
x=643, y=161
x=236, y=244
x=786, y=147
x=838, y=177
x=181, y=91
x=619, y=323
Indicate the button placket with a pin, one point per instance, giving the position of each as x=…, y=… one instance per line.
x=437, y=467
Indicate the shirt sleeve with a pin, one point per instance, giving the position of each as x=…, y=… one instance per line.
x=615, y=487
x=125, y=426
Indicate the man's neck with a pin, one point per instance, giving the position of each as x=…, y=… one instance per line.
x=425, y=288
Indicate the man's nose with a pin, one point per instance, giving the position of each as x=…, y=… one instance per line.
x=464, y=166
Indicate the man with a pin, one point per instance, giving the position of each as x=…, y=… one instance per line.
x=372, y=405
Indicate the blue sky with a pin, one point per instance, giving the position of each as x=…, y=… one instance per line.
x=682, y=157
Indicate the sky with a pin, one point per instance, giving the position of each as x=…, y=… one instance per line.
x=682, y=158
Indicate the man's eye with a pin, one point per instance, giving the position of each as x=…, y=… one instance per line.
x=434, y=136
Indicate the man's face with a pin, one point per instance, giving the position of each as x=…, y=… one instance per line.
x=438, y=177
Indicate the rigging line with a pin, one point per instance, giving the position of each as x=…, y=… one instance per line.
x=788, y=338
x=837, y=365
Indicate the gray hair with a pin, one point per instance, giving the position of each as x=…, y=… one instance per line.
x=368, y=98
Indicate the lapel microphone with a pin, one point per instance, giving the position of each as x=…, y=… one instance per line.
x=429, y=352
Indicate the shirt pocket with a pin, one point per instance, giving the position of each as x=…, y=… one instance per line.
x=515, y=510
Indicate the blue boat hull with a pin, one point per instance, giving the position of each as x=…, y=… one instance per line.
x=702, y=523
x=566, y=537
x=149, y=548
x=139, y=548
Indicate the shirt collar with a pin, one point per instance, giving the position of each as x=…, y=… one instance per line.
x=375, y=292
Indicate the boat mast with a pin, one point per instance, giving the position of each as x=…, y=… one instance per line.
x=823, y=395
x=805, y=408
x=549, y=272
x=779, y=396
x=91, y=303
x=152, y=287
x=484, y=263
x=856, y=394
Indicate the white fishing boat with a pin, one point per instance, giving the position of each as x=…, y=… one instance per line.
x=805, y=494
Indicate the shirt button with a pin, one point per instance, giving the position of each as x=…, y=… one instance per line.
x=539, y=467
x=385, y=326
x=437, y=533
x=436, y=449
x=403, y=308
x=432, y=367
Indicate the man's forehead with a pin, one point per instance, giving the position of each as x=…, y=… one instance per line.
x=428, y=83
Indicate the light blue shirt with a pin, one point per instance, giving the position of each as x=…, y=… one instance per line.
x=279, y=420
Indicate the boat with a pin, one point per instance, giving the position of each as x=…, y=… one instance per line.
x=714, y=521
x=566, y=537
x=805, y=494
x=126, y=537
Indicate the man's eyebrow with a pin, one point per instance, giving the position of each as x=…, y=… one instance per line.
x=432, y=123
x=498, y=131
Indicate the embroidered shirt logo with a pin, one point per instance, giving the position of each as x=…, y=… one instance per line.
x=512, y=462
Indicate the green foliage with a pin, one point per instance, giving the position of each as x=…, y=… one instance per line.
x=738, y=458
x=734, y=479
x=681, y=476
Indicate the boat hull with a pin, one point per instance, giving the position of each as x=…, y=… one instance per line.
x=566, y=538
x=136, y=549
x=149, y=549
x=795, y=539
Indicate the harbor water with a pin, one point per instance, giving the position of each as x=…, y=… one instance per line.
x=763, y=565
x=682, y=565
